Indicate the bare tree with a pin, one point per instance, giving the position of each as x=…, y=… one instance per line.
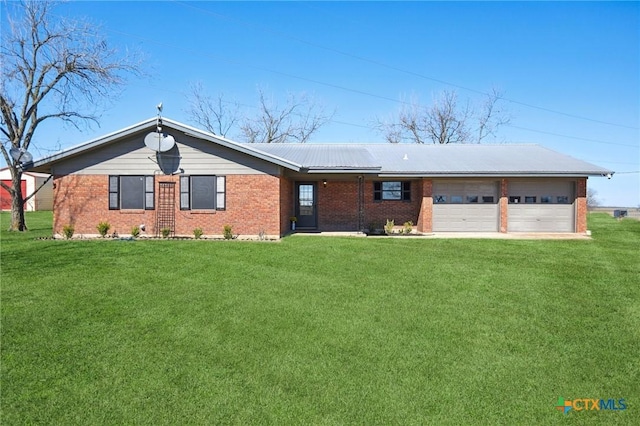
x=296, y=121
x=214, y=114
x=52, y=68
x=445, y=121
x=492, y=115
x=592, y=198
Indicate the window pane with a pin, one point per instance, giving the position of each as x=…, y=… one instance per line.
x=456, y=199
x=514, y=200
x=545, y=199
x=472, y=198
x=440, y=199
x=487, y=199
x=563, y=199
x=202, y=192
x=132, y=192
x=529, y=199
x=391, y=186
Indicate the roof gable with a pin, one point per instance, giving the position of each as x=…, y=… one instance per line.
x=149, y=125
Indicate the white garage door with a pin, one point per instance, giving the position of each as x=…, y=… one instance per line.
x=465, y=206
x=541, y=206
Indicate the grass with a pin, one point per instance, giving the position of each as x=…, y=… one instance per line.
x=319, y=330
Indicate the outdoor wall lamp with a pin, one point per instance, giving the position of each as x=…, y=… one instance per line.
x=324, y=182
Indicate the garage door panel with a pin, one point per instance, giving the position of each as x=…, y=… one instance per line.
x=538, y=216
x=465, y=217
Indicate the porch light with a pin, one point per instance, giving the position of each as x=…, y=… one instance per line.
x=324, y=182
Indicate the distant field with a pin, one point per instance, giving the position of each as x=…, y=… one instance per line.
x=319, y=330
x=632, y=212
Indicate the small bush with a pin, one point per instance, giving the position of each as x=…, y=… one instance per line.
x=165, y=232
x=67, y=231
x=103, y=228
x=388, y=228
x=135, y=231
x=228, y=232
x=197, y=233
x=408, y=227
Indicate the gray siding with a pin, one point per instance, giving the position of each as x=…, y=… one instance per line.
x=130, y=157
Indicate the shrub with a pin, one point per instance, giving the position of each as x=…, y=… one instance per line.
x=165, y=232
x=135, y=231
x=197, y=233
x=228, y=232
x=388, y=228
x=408, y=227
x=103, y=228
x=67, y=231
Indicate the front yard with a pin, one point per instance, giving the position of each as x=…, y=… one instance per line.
x=319, y=330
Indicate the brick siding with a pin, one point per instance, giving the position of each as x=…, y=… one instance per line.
x=377, y=212
x=581, y=206
x=252, y=207
x=504, y=205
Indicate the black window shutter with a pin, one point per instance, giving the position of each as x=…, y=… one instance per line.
x=114, y=193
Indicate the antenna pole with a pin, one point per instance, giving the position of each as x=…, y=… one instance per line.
x=159, y=124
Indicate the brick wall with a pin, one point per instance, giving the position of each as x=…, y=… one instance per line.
x=581, y=205
x=286, y=205
x=425, y=217
x=504, y=205
x=338, y=206
x=377, y=212
x=252, y=206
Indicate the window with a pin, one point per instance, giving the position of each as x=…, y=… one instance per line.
x=546, y=199
x=456, y=199
x=487, y=199
x=399, y=191
x=202, y=192
x=563, y=199
x=514, y=200
x=472, y=198
x=131, y=192
x=530, y=199
x=439, y=199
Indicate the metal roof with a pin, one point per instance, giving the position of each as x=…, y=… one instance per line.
x=431, y=160
x=382, y=159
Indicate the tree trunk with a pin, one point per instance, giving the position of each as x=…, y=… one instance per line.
x=17, y=204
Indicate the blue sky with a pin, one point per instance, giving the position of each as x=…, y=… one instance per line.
x=570, y=71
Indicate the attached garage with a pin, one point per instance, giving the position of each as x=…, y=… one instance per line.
x=541, y=206
x=466, y=206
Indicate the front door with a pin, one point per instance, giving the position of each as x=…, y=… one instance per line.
x=306, y=210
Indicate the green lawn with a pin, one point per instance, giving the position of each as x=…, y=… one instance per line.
x=319, y=330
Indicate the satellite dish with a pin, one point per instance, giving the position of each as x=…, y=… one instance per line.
x=21, y=156
x=159, y=142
